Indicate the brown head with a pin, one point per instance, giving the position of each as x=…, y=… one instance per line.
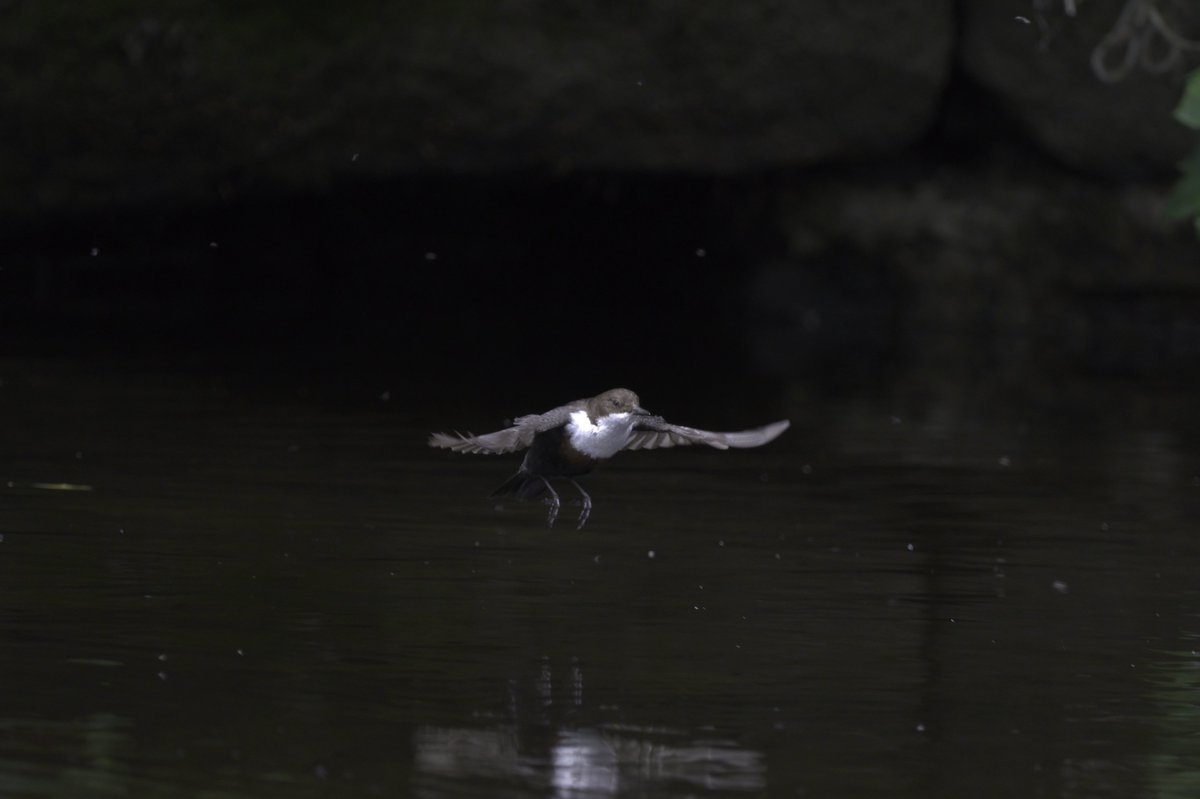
x=616, y=400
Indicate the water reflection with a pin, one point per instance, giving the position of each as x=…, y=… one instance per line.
x=605, y=761
x=537, y=750
x=1174, y=688
x=94, y=747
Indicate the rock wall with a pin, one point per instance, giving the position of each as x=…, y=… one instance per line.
x=889, y=192
x=192, y=101
x=1095, y=89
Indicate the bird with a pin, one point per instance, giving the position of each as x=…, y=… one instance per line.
x=570, y=440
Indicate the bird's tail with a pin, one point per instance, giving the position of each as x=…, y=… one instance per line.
x=523, y=485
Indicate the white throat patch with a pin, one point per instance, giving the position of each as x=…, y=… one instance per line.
x=601, y=440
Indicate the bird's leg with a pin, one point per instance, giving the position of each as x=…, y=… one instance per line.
x=551, y=500
x=587, y=505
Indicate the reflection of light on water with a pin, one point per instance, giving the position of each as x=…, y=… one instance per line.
x=591, y=761
x=1173, y=684
x=96, y=744
x=476, y=753
x=584, y=763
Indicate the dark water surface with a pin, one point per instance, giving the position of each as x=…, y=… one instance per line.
x=217, y=593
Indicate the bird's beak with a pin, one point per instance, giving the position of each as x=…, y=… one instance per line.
x=638, y=410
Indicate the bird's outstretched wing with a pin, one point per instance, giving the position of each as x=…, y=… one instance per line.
x=510, y=439
x=654, y=432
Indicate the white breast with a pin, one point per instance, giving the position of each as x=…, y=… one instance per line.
x=601, y=440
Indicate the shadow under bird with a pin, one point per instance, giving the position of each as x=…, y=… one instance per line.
x=570, y=440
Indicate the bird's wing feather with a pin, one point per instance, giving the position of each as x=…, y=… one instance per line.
x=510, y=439
x=654, y=433
x=541, y=422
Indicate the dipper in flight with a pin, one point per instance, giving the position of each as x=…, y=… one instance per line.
x=569, y=440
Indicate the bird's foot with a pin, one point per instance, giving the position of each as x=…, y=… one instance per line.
x=552, y=514
x=587, y=505
x=551, y=500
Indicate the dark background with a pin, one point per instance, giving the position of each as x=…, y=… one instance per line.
x=572, y=197
x=252, y=253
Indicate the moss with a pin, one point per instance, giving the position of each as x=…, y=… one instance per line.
x=1185, y=200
